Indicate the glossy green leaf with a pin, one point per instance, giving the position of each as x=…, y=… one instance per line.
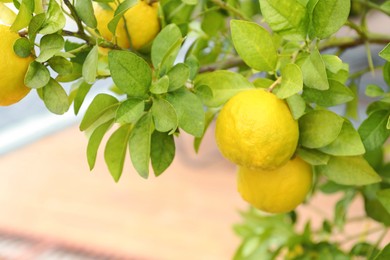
x=189, y=110
x=61, y=65
x=55, y=98
x=319, y=128
x=336, y=94
x=140, y=145
x=130, y=72
x=81, y=92
x=162, y=151
x=297, y=106
x=314, y=71
x=22, y=47
x=292, y=81
x=348, y=143
x=119, y=12
x=385, y=53
x=85, y=11
x=37, y=75
x=313, y=156
x=130, y=111
x=222, y=84
x=35, y=25
x=55, y=19
x=288, y=18
x=263, y=82
x=165, y=47
x=94, y=142
x=160, y=86
x=178, y=76
x=351, y=170
x=384, y=198
x=115, y=151
x=90, y=66
x=99, y=105
x=384, y=253
x=254, y=45
x=328, y=17
x=23, y=18
x=373, y=90
x=373, y=130
x=164, y=115
x=50, y=45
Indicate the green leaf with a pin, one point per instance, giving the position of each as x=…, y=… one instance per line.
x=50, y=45
x=165, y=47
x=314, y=71
x=24, y=15
x=319, y=128
x=385, y=53
x=130, y=111
x=213, y=22
x=82, y=91
x=373, y=207
x=37, y=75
x=75, y=74
x=292, y=81
x=384, y=198
x=35, y=25
x=373, y=130
x=193, y=65
x=61, y=65
x=288, y=18
x=374, y=90
x=297, y=106
x=22, y=47
x=140, y=143
x=94, y=142
x=348, y=142
x=164, y=115
x=189, y=110
x=98, y=107
x=85, y=11
x=162, y=151
x=55, y=19
x=119, y=12
x=115, y=151
x=335, y=68
x=312, y=156
x=351, y=170
x=263, y=82
x=209, y=117
x=384, y=253
x=130, y=73
x=178, y=76
x=254, y=44
x=55, y=98
x=160, y=86
x=336, y=94
x=328, y=17
x=90, y=65
x=223, y=85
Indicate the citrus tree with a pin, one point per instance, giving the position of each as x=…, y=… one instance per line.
x=272, y=75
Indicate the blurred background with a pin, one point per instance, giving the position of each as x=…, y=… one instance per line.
x=53, y=207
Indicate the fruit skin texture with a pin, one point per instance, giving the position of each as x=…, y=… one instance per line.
x=255, y=129
x=12, y=69
x=141, y=22
x=277, y=191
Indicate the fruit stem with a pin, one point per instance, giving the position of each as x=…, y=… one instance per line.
x=276, y=82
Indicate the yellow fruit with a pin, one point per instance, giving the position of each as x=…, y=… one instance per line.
x=277, y=191
x=255, y=129
x=142, y=24
x=12, y=69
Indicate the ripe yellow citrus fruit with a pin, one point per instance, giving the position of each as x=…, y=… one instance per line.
x=255, y=129
x=12, y=69
x=138, y=27
x=277, y=191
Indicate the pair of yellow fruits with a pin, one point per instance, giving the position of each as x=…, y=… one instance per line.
x=139, y=26
x=256, y=131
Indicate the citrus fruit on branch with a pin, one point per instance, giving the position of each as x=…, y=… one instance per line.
x=255, y=129
x=276, y=191
x=12, y=68
x=137, y=28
